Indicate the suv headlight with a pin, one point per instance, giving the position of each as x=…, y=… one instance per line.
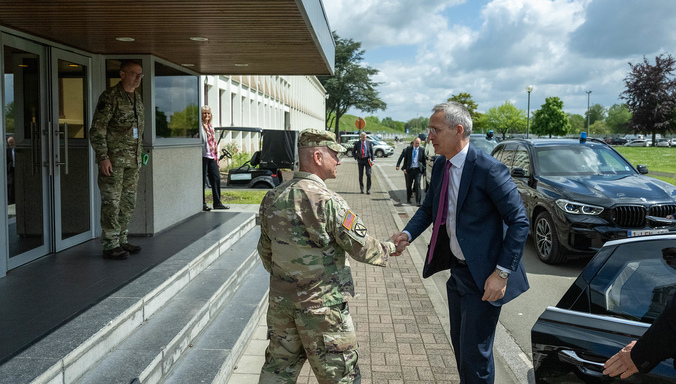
x=578, y=208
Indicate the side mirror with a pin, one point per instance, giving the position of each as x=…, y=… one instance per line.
x=642, y=169
x=518, y=172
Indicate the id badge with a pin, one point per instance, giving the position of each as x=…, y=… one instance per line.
x=135, y=132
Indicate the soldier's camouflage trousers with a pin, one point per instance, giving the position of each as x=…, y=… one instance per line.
x=323, y=336
x=118, y=199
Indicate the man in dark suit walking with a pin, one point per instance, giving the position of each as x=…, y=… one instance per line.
x=480, y=229
x=657, y=344
x=363, y=153
x=414, y=167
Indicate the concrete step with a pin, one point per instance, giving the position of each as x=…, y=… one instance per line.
x=67, y=354
x=213, y=355
x=156, y=346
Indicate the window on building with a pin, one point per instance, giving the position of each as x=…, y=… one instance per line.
x=177, y=113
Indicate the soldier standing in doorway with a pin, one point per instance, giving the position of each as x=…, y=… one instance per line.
x=116, y=136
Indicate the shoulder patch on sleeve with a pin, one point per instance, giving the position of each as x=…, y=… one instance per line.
x=360, y=230
x=348, y=221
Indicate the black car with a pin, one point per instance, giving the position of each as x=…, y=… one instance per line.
x=613, y=301
x=579, y=194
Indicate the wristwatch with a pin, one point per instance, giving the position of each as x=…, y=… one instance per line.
x=501, y=273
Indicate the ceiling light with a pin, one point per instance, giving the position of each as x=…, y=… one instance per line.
x=188, y=65
x=125, y=39
x=241, y=64
x=73, y=65
x=23, y=65
x=199, y=39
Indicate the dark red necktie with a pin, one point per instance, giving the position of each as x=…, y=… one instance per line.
x=363, y=149
x=442, y=211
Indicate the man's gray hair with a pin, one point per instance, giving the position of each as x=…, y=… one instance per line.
x=455, y=113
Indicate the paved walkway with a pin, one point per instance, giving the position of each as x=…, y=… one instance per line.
x=402, y=338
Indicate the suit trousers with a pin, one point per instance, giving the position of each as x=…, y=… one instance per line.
x=210, y=170
x=413, y=184
x=473, y=324
x=364, y=164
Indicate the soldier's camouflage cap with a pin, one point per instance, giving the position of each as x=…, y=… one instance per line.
x=310, y=138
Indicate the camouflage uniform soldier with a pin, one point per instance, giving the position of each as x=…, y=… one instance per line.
x=307, y=231
x=115, y=135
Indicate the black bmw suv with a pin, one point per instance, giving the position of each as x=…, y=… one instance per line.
x=579, y=194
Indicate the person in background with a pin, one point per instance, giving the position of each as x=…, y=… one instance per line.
x=307, y=233
x=363, y=153
x=657, y=344
x=414, y=167
x=116, y=136
x=479, y=232
x=210, y=168
x=11, y=165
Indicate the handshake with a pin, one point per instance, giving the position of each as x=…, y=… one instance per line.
x=400, y=240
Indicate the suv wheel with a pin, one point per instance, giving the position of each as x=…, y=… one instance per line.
x=547, y=244
x=380, y=153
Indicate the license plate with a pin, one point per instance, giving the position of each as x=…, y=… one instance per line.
x=646, y=232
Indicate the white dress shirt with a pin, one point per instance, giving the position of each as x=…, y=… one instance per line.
x=458, y=163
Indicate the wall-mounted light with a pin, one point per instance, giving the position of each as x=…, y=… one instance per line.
x=125, y=39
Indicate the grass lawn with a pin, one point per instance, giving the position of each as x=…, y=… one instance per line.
x=254, y=196
x=658, y=159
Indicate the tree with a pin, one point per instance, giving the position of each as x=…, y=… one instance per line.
x=618, y=118
x=505, y=118
x=161, y=123
x=185, y=123
x=577, y=123
x=650, y=95
x=466, y=100
x=396, y=125
x=596, y=112
x=417, y=125
x=599, y=128
x=351, y=85
x=550, y=119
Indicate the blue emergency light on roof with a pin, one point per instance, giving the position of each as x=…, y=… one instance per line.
x=583, y=137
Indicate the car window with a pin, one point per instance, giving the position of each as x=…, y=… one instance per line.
x=522, y=160
x=636, y=282
x=576, y=160
x=483, y=144
x=506, y=156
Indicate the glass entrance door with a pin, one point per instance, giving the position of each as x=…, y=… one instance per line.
x=24, y=80
x=49, y=182
x=70, y=148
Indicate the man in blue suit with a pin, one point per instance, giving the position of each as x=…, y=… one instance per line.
x=363, y=153
x=480, y=229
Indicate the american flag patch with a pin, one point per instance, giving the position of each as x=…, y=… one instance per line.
x=348, y=221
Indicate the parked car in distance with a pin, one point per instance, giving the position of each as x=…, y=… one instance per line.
x=483, y=141
x=637, y=143
x=617, y=141
x=380, y=148
x=613, y=301
x=578, y=195
x=663, y=143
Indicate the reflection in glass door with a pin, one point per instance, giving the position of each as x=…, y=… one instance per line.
x=70, y=146
x=23, y=75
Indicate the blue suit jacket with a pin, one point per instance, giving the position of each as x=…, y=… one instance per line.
x=492, y=225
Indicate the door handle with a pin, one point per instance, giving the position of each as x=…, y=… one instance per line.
x=65, y=140
x=585, y=366
x=35, y=140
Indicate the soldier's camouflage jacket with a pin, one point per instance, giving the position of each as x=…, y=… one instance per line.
x=307, y=231
x=112, y=134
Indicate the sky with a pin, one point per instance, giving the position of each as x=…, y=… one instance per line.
x=428, y=50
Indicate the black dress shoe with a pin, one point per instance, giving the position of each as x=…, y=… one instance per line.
x=221, y=207
x=130, y=248
x=362, y=191
x=116, y=253
x=206, y=209
x=368, y=192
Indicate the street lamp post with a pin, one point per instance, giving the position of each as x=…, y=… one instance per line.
x=588, y=114
x=529, y=89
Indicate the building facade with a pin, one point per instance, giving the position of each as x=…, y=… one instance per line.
x=57, y=58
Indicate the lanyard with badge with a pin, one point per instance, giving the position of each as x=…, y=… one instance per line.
x=144, y=156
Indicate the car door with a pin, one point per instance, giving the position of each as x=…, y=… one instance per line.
x=613, y=302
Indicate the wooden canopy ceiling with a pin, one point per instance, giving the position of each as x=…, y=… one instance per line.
x=255, y=37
